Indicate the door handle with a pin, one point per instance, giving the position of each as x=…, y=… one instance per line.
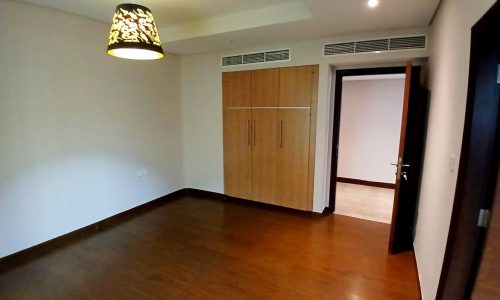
x=281, y=134
x=249, y=133
x=254, y=126
x=397, y=164
x=399, y=169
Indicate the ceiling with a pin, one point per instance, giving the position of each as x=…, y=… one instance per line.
x=195, y=26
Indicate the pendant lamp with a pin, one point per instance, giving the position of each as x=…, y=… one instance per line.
x=133, y=33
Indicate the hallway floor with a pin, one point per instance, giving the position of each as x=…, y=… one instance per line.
x=364, y=202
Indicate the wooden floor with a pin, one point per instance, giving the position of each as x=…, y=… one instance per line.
x=364, y=202
x=194, y=248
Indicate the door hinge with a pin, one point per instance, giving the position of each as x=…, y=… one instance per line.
x=484, y=218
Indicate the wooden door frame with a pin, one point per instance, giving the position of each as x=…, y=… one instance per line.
x=339, y=75
x=465, y=206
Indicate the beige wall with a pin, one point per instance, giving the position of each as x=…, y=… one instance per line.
x=370, y=128
x=77, y=125
x=450, y=51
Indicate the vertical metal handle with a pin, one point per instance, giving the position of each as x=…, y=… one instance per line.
x=281, y=133
x=254, y=133
x=249, y=133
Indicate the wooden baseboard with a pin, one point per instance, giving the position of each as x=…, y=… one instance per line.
x=367, y=183
x=64, y=240
x=273, y=207
x=204, y=194
x=29, y=254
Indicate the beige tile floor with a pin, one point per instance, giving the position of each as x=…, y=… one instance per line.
x=364, y=202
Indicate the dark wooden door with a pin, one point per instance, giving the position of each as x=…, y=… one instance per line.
x=487, y=282
x=479, y=154
x=409, y=164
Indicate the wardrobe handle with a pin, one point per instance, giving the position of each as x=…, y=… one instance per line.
x=281, y=134
x=249, y=133
x=254, y=133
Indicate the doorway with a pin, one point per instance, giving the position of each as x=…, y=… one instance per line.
x=370, y=130
x=407, y=164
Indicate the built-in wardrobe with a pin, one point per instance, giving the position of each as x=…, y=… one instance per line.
x=269, y=135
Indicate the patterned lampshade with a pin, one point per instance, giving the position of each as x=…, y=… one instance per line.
x=133, y=33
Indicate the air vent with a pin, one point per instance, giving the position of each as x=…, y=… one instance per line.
x=414, y=42
x=232, y=60
x=376, y=45
x=342, y=48
x=372, y=46
x=278, y=55
x=253, y=58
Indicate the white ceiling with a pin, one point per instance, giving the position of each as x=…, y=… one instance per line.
x=194, y=26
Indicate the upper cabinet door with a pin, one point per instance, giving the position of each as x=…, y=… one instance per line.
x=237, y=89
x=296, y=86
x=265, y=88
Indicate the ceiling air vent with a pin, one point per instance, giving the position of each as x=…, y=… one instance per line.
x=372, y=46
x=412, y=42
x=278, y=55
x=342, y=48
x=232, y=60
x=253, y=58
x=376, y=45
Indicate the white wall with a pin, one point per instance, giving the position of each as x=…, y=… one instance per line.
x=202, y=122
x=76, y=125
x=370, y=127
x=448, y=84
x=202, y=105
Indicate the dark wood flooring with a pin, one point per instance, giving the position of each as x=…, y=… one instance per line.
x=195, y=248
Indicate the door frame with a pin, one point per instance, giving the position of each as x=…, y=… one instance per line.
x=339, y=75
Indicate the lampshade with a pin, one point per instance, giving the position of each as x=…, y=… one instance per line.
x=133, y=33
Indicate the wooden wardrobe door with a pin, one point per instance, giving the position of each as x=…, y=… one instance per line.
x=265, y=88
x=293, y=161
x=237, y=89
x=296, y=86
x=265, y=155
x=237, y=153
